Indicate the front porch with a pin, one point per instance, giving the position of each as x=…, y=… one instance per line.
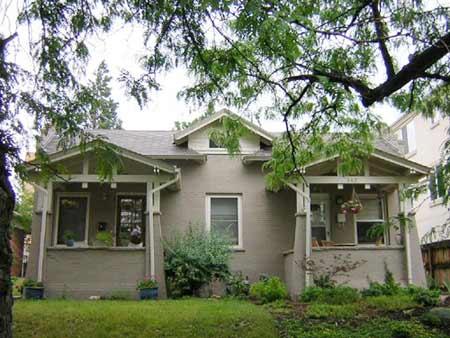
x=337, y=243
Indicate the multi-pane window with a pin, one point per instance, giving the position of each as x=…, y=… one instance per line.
x=370, y=215
x=436, y=184
x=131, y=221
x=72, y=218
x=223, y=217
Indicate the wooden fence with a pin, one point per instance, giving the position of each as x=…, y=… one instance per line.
x=436, y=258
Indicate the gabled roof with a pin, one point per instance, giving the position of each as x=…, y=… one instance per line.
x=181, y=136
x=154, y=144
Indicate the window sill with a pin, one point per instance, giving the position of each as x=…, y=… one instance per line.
x=88, y=248
x=237, y=249
x=436, y=202
x=359, y=247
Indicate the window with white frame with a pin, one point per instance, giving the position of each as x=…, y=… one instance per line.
x=223, y=216
x=371, y=214
x=408, y=136
x=73, y=215
x=436, y=184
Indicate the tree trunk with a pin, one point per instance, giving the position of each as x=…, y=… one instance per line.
x=7, y=200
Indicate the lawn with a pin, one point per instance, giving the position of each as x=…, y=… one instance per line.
x=170, y=318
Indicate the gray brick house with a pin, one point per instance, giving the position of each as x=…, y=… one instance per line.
x=171, y=179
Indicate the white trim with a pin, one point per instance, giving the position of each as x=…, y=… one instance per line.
x=115, y=178
x=181, y=135
x=116, y=210
x=383, y=217
x=323, y=198
x=60, y=195
x=359, y=179
x=208, y=197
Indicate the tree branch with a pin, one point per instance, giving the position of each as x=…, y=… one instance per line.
x=381, y=30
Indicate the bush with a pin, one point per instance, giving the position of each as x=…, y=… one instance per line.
x=193, y=259
x=426, y=297
x=345, y=311
x=119, y=295
x=391, y=303
x=324, y=281
x=338, y=295
x=238, y=286
x=269, y=290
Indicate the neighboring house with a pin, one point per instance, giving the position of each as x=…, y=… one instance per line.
x=424, y=140
x=171, y=179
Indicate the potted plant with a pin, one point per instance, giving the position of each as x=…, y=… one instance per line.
x=33, y=289
x=377, y=232
x=353, y=206
x=69, y=238
x=148, y=288
x=105, y=238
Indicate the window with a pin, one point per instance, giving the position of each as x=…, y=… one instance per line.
x=319, y=217
x=371, y=214
x=436, y=184
x=409, y=137
x=72, y=218
x=223, y=215
x=131, y=221
x=213, y=144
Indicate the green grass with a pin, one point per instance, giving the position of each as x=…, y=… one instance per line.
x=170, y=318
x=391, y=303
x=331, y=311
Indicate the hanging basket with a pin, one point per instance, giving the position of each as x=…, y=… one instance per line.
x=352, y=206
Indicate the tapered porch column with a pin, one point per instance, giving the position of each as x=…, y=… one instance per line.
x=302, y=240
x=149, y=234
x=406, y=234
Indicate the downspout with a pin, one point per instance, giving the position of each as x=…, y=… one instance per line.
x=43, y=231
x=307, y=208
x=152, y=229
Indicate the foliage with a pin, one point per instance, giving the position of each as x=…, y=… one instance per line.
x=389, y=288
x=105, y=237
x=228, y=134
x=237, y=285
x=423, y=296
x=68, y=235
x=330, y=311
x=23, y=212
x=438, y=316
x=324, y=281
x=391, y=303
x=202, y=318
x=193, y=259
x=269, y=290
x=17, y=286
x=119, y=295
x=31, y=283
x=336, y=296
x=147, y=283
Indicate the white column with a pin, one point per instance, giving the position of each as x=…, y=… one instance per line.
x=406, y=232
x=46, y=208
x=307, y=203
x=149, y=234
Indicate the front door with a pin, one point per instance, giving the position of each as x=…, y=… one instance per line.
x=320, y=217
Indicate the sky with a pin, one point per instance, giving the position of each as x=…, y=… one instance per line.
x=121, y=49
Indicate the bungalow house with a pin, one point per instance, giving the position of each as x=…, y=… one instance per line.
x=171, y=179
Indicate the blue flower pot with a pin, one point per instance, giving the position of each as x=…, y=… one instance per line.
x=148, y=293
x=33, y=293
x=70, y=242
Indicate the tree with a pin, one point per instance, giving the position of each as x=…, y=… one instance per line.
x=317, y=65
x=23, y=212
x=102, y=109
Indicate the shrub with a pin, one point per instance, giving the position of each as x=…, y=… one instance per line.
x=193, y=259
x=391, y=303
x=119, y=295
x=389, y=288
x=426, y=297
x=269, y=290
x=237, y=285
x=338, y=295
x=31, y=283
x=311, y=294
x=324, y=281
x=345, y=311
